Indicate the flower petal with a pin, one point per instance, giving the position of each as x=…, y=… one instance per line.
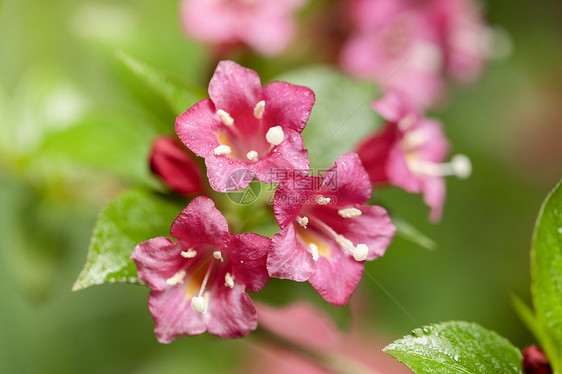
x=373, y=227
x=287, y=105
x=228, y=175
x=373, y=152
x=248, y=252
x=399, y=173
x=197, y=128
x=289, y=156
x=173, y=315
x=336, y=276
x=392, y=107
x=289, y=259
x=232, y=312
x=201, y=223
x=434, y=196
x=157, y=260
x=236, y=90
x=347, y=181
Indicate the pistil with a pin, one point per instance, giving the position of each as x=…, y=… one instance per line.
x=459, y=166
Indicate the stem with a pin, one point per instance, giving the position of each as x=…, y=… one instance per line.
x=332, y=362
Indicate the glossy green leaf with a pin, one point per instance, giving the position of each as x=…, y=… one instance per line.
x=341, y=116
x=546, y=270
x=456, y=347
x=178, y=95
x=133, y=217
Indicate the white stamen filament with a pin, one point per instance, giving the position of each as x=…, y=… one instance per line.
x=459, y=166
x=189, y=253
x=252, y=155
x=275, y=135
x=406, y=122
x=199, y=303
x=314, y=251
x=303, y=221
x=359, y=252
x=259, y=109
x=228, y=280
x=176, y=278
x=222, y=149
x=349, y=212
x=322, y=200
x=217, y=255
x=225, y=118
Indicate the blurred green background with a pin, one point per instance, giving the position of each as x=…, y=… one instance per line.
x=75, y=129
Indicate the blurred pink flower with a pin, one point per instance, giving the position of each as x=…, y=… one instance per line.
x=246, y=126
x=267, y=26
x=409, y=45
x=171, y=162
x=198, y=283
x=327, y=232
x=307, y=326
x=409, y=151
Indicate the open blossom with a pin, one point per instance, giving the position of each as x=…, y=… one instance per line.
x=171, y=162
x=410, y=45
x=409, y=152
x=327, y=232
x=246, y=126
x=267, y=26
x=198, y=283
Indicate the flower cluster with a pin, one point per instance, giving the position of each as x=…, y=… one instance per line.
x=410, y=45
x=198, y=282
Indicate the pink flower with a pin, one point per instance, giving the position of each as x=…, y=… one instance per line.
x=265, y=25
x=171, y=162
x=409, y=152
x=326, y=231
x=247, y=126
x=197, y=283
x=409, y=45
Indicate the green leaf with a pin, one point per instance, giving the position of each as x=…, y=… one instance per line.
x=546, y=270
x=341, y=116
x=456, y=347
x=131, y=218
x=408, y=232
x=178, y=95
x=530, y=320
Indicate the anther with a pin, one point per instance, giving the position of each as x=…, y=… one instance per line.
x=461, y=166
x=303, y=221
x=259, y=109
x=360, y=252
x=176, y=278
x=349, y=212
x=199, y=304
x=225, y=117
x=189, y=253
x=228, y=280
x=252, y=155
x=275, y=135
x=322, y=200
x=222, y=149
x=217, y=255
